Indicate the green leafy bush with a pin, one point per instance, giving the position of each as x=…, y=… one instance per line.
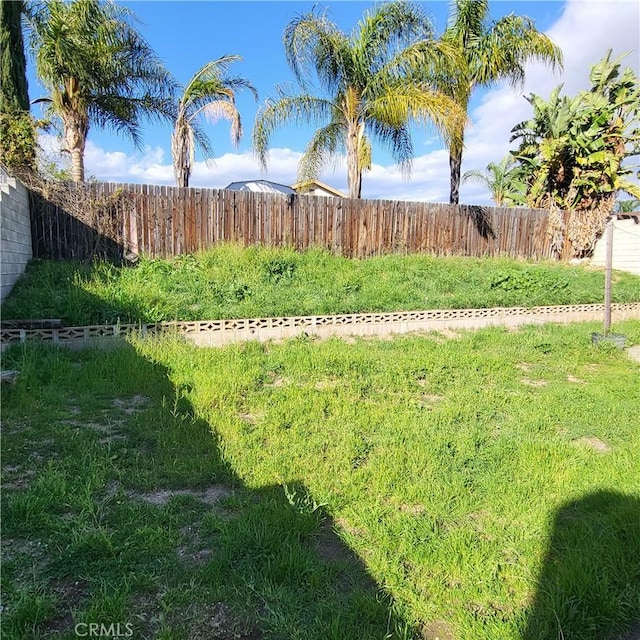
x=529, y=280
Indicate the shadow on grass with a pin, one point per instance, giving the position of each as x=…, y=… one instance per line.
x=119, y=509
x=49, y=289
x=589, y=582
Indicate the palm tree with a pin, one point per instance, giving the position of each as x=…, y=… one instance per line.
x=98, y=70
x=490, y=52
x=501, y=180
x=365, y=91
x=627, y=206
x=212, y=93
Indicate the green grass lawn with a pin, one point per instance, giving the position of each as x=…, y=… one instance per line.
x=232, y=282
x=479, y=486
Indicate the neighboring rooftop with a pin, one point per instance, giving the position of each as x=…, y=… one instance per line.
x=260, y=186
x=304, y=188
x=317, y=188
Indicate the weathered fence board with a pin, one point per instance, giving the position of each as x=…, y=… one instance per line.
x=163, y=221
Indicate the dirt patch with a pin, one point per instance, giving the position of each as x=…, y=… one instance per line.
x=13, y=547
x=71, y=591
x=31, y=558
x=98, y=427
x=413, y=509
x=107, y=430
x=341, y=523
x=533, y=383
x=440, y=336
x=525, y=366
x=194, y=551
x=323, y=385
x=111, y=489
x=331, y=550
x=195, y=557
x=221, y=623
x=632, y=634
x=592, y=443
x=63, y=623
x=430, y=398
x=437, y=630
x=210, y=496
x=145, y=609
x=634, y=354
x=278, y=382
x=328, y=545
x=392, y=335
x=113, y=438
x=251, y=418
x=16, y=477
x=131, y=406
x=574, y=380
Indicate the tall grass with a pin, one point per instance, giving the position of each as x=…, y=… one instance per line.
x=229, y=282
x=483, y=486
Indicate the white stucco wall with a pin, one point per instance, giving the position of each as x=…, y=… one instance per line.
x=626, y=246
x=15, y=232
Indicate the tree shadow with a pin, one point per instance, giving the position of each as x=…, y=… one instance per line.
x=150, y=526
x=589, y=587
x=59, y=233
x=481, y=220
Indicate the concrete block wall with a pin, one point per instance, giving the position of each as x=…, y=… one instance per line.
x=15, y=233
x=626, y=246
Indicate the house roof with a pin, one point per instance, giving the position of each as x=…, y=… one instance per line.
x=260, y=186
x=308, y=185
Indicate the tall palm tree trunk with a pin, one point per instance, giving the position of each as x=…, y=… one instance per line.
x=181, y=152
x=354, y=170
x=455, y=164
x=75, y=137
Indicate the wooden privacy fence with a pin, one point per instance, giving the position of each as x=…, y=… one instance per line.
x=168, y=221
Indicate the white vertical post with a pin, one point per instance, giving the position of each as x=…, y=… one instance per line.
x=607, y=276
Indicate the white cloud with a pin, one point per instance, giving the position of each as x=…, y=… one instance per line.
x=584, y=31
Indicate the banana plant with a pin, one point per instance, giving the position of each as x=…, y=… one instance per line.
x=573, y=151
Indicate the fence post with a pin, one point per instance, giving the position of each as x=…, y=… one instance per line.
x=607, y=276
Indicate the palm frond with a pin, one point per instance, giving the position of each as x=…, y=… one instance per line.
x=397, y=139
x=326, y=144
x=432, y=61
x=218, y=109
x=386, y=30
x=473, y=175
x=212, y=81
x=507, y=47
x=300, y=109
x=405, y=101
x=466, y=20
x=314, y=44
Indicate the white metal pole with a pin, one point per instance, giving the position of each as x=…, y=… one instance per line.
x=607, y=276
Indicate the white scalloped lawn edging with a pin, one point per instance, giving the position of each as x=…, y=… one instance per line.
x=213, y=333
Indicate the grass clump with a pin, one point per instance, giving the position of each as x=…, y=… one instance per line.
x=483, y=485
x=231, y=282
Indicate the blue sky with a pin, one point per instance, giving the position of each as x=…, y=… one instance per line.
x=188, y=34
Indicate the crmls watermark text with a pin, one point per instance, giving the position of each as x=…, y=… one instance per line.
x=95, y=630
